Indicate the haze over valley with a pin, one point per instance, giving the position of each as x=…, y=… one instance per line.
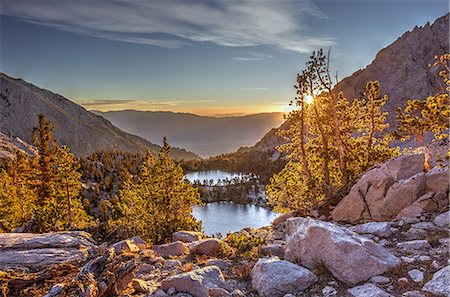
x=206, y=136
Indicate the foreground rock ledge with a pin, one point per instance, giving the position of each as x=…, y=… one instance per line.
x=34, y=252
x=349, y=257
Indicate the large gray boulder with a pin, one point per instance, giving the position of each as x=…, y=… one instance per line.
x=439, y=285
x=382, y=192
x=400, y=195
x=365, y=197
x=349, y=257
x=272, y=277
x=34, y=252
x=197, y=282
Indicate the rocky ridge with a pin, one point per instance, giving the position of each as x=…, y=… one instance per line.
x=402, y=68
x=82, y=131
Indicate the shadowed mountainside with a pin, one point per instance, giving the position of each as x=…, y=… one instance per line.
x=79, y=129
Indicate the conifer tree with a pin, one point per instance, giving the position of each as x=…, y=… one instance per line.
x=160, y=201
x=68, y=191
x=331, y=140
x=428, y=115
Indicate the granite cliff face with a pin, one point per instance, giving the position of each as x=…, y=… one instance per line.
x=402, y=69
x=79, y=129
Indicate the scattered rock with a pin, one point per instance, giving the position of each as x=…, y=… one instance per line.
x=414, y=245
x=403, y=282
x=443, y=220
x=206, y=246
x=141, y=244
x=415, y=234
x=273, y=250
x=54, y=291
x=187, y=236
x=218, y=292
x=125, y=246
x=197, y=282
x=382, y=229
x=140, y=286
x=272, y=277
x=170, y=263
x=348, y=256
x=408, y=260
x=380, y=280
x=237, y=293
x=368, y=290
x=34, y=252
x=416, y=275
x=414, y=293
x=281, y=219
x=176, y=248
x=424, y=226
x=439, y=285
x=222, y=264
x=329, y=291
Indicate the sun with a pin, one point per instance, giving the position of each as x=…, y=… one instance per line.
x=309, y=99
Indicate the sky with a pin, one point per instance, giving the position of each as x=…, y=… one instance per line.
x=205, y=57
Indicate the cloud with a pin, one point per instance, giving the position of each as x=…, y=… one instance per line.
x=252, y=56
x=121, y=104
x=176, y=23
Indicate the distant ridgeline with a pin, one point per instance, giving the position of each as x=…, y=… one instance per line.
x=79, y=129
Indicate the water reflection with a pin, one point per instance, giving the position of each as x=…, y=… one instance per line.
x=224, y=217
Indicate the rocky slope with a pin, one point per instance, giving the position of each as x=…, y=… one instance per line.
x=402, y=69
x=9, y=146
x=400, y=256
x=79, y=129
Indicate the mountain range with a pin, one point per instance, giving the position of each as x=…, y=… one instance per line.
x=82, y=131
x=204, y=135
x=402, y=68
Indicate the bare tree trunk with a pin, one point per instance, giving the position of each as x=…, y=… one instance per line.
x=326, y=83
x=69, y=207
x=302, y=145
x=326, y=157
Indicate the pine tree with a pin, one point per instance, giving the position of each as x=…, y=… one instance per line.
x=160, y=201
x=331, y=140
x=430, y=115
x=68, y=191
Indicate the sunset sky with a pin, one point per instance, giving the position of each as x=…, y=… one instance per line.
x=204, y=57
